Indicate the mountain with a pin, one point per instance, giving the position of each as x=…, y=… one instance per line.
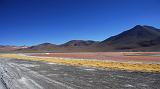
x=79, y=43
x=138, y=36
x=39, y=48
x=77, y=46
x=70, y=46
x=8, y=48
x=43, y=46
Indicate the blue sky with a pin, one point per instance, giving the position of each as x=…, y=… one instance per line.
x=30, y=22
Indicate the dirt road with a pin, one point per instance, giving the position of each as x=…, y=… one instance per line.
x=21, y=74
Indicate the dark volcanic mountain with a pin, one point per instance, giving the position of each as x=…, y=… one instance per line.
x=139, y=36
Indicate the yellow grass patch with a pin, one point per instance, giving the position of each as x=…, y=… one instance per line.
x=90, y=63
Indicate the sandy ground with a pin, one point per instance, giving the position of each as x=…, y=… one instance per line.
x=22, y=74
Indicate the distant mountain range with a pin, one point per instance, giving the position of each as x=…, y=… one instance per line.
x=138, y=38
x=8, y=48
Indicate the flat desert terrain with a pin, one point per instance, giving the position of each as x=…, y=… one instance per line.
x=24, y=74
x=109, y=70
x=113, y=56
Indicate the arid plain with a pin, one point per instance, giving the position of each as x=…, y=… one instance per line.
x=100, y=70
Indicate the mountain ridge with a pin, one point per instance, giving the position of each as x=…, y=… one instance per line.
x=138, y=38
x=132, y=37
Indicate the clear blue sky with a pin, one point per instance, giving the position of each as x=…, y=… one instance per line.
x=30, y=22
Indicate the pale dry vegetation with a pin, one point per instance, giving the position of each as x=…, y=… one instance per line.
x=144, y=67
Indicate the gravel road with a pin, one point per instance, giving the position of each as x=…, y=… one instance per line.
x=21, y=74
